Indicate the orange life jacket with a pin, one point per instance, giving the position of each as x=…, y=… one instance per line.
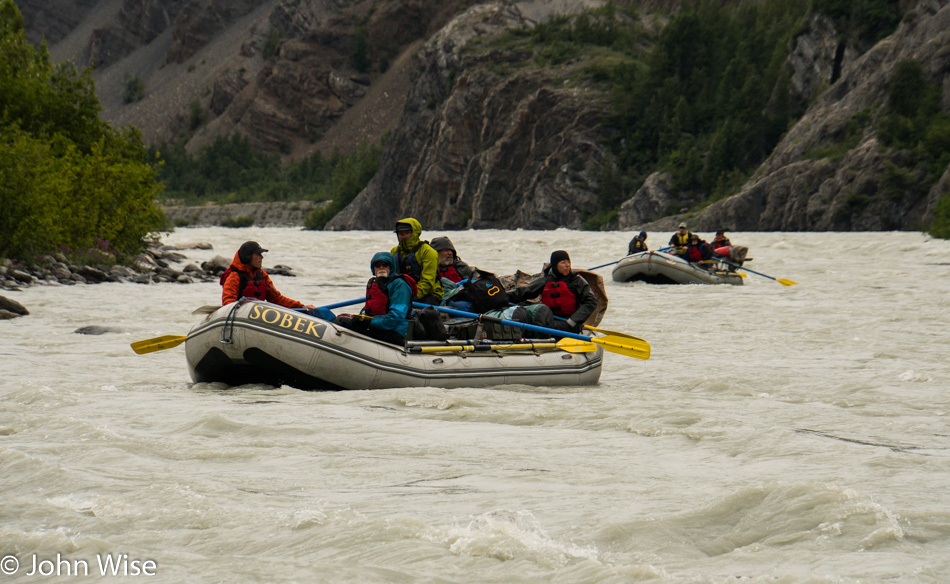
x=256, y=288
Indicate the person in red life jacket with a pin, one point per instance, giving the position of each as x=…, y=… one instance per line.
x=418, y=260
x=245, y=278
x=388, y=302
x=697, y=250
x=638, y=244
x=564, y=292
x=680, y=240
x=451, y=266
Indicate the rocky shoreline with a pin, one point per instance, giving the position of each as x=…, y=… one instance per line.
x=157, y=264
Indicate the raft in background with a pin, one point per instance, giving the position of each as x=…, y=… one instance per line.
x=657, y=267
x=258, y=342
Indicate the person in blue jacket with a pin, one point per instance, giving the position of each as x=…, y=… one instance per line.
x=388, y=303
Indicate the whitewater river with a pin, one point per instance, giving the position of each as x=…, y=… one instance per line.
x=779, y=434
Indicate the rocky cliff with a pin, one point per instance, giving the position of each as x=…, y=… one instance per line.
x=282, y=73
x=477, y=149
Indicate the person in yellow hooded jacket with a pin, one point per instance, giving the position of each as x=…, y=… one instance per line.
x=418, y=260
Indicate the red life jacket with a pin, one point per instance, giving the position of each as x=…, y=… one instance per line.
x=559, y=298
x=256, y=288
x=694, y=253
x=451, y=273
x=377, y=297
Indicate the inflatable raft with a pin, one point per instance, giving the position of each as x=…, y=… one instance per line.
x=656, y=267
x=258, y=342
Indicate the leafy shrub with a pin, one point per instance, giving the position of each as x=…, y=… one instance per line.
x=360, y=56
x=197, y=115
x=69, y=179
x=134, y=90
x=271, y=43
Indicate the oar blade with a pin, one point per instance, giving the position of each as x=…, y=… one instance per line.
x=206, y=309
x=785, y=282
x=157, y=344
x=636, y=348
x=612, y=333
x=575, y=346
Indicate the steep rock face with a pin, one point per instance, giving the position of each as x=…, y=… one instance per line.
x=795, y=191
x=199, y=21
x=138, y=23
x=818, y=58
x=475, y=150
x=647, y=203
x=51, y=20
x=306, y=88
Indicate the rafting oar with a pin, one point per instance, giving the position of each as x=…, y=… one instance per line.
x=609, y=332
x=630, y=347
x=157, y=344
x=604, y=265
x=781, y=281
x=209, y=308
x=569, y=345
x=344, y=303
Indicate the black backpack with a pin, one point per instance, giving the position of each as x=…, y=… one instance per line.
x=484, y=291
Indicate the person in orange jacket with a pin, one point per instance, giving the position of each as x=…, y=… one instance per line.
x=245, y=278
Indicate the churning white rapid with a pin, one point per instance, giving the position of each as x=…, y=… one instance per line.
x=777, y=434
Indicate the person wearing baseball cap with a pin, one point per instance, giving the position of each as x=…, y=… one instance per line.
x=680, y=240
x=245, y=278
x=418, y=260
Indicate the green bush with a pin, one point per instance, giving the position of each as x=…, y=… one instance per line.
x=68, y=181
x=360, y=56
x=197, y=115
x=134, y=90
x=271, y=43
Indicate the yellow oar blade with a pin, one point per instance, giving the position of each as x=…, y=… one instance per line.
x=157, y=344
x=615, y=334
x=623, y=345
x=575, y=346
x=607, y=332
x=785, y=282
